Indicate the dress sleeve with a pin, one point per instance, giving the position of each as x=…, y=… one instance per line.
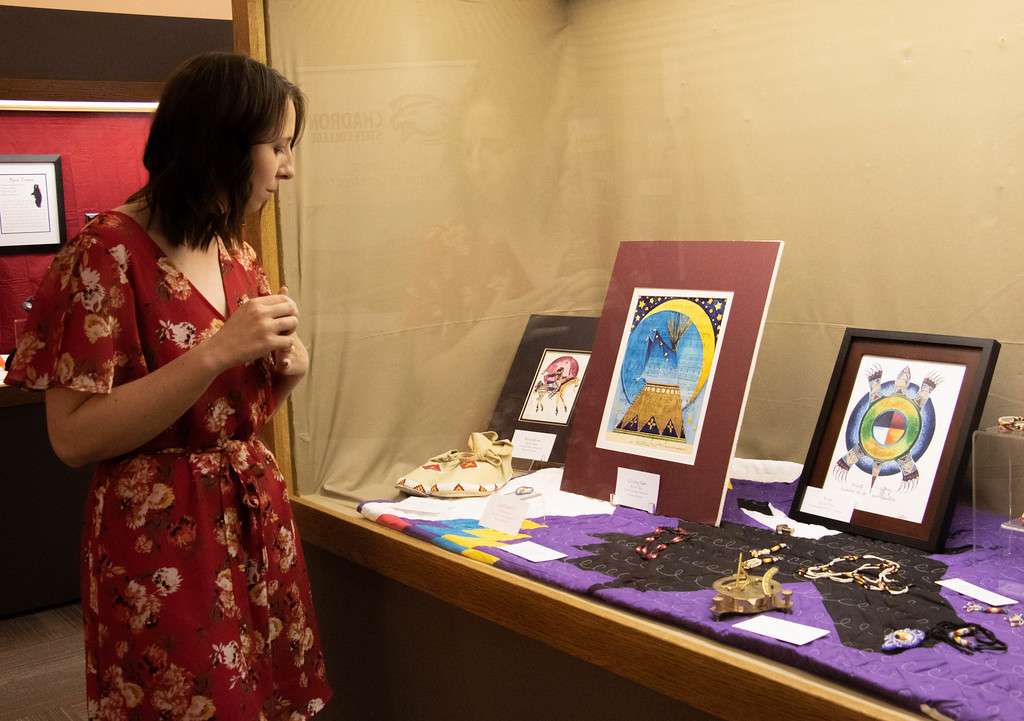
x=82, y=332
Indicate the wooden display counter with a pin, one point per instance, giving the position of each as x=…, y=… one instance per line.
x=709, y=676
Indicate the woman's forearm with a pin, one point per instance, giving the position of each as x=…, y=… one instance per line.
x=86, y=428
x=283, y=387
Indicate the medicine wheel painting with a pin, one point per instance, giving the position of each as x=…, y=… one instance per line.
x=890, y=428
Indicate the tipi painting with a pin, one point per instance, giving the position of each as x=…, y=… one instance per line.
x=664, y=373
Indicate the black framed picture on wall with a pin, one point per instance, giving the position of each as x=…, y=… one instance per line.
x=892, y=437
x=31, y=204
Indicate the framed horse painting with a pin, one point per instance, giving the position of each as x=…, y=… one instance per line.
x=536, y=405
x=555, y=386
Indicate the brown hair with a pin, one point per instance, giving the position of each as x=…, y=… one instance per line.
x=212, y=111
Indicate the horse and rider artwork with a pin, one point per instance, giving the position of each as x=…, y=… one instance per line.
x=555, y=387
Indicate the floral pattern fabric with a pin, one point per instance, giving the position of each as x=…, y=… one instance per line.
x=194, y=588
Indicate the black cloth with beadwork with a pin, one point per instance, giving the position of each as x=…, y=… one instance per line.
x=862, y=617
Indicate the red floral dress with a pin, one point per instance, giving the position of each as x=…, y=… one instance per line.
x=194, y=588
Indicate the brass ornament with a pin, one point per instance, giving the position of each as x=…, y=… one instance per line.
x=744, y=593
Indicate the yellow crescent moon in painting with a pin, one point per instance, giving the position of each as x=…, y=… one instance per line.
x=699, y=317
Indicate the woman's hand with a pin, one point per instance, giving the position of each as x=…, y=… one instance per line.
x=294, y=361
x=290, y=364
x=259, y=327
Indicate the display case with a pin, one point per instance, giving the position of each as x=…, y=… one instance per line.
x=447, y=192
x=998, y=483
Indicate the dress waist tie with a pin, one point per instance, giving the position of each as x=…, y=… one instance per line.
x=244, y=461
x=244, y=458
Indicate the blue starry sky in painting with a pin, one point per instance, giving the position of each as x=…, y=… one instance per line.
x=714, y=307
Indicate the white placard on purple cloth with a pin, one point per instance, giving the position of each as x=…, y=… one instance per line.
x=788, y=631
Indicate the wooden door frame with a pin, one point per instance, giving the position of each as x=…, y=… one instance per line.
x=249, y=23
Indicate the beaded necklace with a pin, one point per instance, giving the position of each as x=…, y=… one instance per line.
x=875, y=574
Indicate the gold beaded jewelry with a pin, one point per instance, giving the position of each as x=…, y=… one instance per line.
x=763, y=556
x=757, y=561
x=1015, y=620
x=883, y=569
x=757, y=552
x=1011, y=423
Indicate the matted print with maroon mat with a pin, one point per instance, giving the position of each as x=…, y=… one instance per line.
x=670, y=370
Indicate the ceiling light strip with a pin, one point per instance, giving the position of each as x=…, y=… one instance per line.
x=78, y=106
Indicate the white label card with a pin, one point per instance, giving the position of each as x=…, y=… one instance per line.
x=636, y=489
x=788, y=631
x=982, y=594
x=422, y=505
x=504, y=514
x=532, y=445
x=533, y=551
x=828, y=504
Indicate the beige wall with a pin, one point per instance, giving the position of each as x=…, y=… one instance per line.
x=416, y=229
x=209, y=9
x=881, y=141
x=519, y=142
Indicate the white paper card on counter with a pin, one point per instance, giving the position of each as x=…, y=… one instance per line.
x=532, y=445
x=533, y=551
x=504, y=514
x=636, y=489
x=788, y=631
x=982, y=594
x=421, y=505
x=828, y=503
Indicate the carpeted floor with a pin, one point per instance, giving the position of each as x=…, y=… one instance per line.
x=42, y=666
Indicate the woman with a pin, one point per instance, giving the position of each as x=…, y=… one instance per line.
x=163, y=353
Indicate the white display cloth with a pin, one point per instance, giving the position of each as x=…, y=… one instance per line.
x=551, y=502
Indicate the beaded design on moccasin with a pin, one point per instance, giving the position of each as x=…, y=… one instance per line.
x=480, y=471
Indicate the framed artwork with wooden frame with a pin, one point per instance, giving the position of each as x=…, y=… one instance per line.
x=892, y=438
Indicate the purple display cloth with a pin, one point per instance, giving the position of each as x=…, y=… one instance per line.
x=985, y=686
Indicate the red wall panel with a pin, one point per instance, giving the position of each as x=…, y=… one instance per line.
x=101, y=161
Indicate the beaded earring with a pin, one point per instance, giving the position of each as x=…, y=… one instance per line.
x=1015, y=620
x=651, y=547
x=969, y=638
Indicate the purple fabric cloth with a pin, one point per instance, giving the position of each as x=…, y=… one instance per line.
x=985, y=686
